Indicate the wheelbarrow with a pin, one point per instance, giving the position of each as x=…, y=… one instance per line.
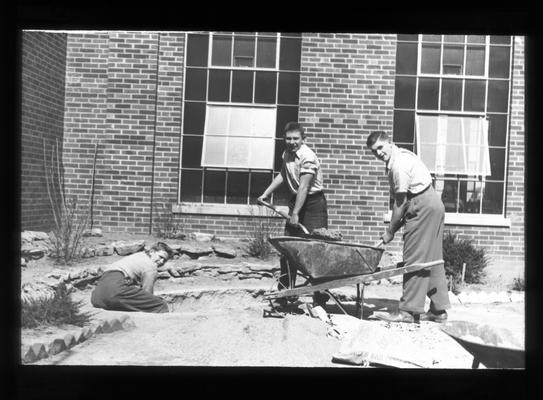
x=325, y=265
x=493, y=347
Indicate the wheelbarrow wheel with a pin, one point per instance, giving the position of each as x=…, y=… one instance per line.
x=278, y=285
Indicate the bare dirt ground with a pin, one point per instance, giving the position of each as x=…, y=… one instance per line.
x=218, y=328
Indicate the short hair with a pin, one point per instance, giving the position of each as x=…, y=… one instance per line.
x=294, y=126
x=162, y=246
x=375, y=136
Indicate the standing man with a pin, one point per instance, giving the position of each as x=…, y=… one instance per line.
x=417, y=205
x=127, y=284
x=301, y=172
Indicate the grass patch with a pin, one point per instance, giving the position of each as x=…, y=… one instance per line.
x=519, y=284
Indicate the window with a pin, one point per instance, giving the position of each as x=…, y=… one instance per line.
x=241, y=88
x=451, y=107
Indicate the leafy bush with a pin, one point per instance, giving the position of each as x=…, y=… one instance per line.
x=458, y=251
x=57, y=310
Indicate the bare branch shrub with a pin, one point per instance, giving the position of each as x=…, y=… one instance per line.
x=164, y=222
x=262, y=227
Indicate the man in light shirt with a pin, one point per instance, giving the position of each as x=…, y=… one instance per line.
x=301, y=173
x=419, y=209
x=127, y=284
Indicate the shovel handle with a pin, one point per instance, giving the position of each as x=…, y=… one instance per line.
x=281, y=213
x=379, y=243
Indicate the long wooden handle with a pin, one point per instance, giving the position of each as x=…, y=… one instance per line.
x=281, y=213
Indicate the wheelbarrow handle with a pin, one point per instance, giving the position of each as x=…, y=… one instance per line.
x=281, y=213
x=379, y=243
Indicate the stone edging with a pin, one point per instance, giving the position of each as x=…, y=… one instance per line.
x=38, y=351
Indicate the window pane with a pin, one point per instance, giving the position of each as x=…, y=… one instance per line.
x=240, y=121
x=409, y=147
x=214, y=186
x=219, y=85
x=237, y=187
x=259, y=182
x=285, y=114
x=453, y=38
x=428, y=155
x=451, y=94
x=497, y=96
x=218, y=120
x=449, y=196
x=265, y=87
x=406, y=58
x=500, y=39
x=191, y=155
x=470, y=196
x=289, y=58
x=430, y=59
x=266, y=49
x=497, y=164
x=493, y=198
x=431, y=38
x=263, y=122
x=242, y=86
x=412, y=38
x=191, y=186
x=474, y=95
x=476, y=38
x=453, y=60
x=244, y=51
x=289, y=87
x=475, y=60
x=261, y=153
x=498, y=129
x=291, y=34
x=195, y=84
x=237, y=152
x=427, y=128
x=498, y=63
x=279, y=148
x=454, y=130
x=404, y=126
x=222, y=51
x=428, y=94
x=404, y=96
x=194, y=118
x=197, y=50
x=214, y=151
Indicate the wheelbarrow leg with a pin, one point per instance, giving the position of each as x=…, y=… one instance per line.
x=475, y=363
x=337, y=302
x=359, y=300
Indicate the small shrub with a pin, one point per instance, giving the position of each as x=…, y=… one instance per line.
x=259, y=232
x=55, y=311
x=519, y=284
x=164, y=222
x=458, y=251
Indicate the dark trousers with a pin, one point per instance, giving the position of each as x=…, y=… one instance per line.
x=116, y=292
x=313, y=215
x=423, y=242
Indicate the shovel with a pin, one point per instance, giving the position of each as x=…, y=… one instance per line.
x=282, y=214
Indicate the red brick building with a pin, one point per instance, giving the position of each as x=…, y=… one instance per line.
x=191, y=122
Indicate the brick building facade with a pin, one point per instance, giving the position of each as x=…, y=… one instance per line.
x=125, y=93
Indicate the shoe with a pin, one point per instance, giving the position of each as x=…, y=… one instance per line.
x=440, y=316
x=401, y=316
x=320, y=299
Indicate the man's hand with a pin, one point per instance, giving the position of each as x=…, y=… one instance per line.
x=387, y=237
x=262, y=197
x=294, y=219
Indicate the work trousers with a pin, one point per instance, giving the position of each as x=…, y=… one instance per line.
x=116, y=292
x=423, y=242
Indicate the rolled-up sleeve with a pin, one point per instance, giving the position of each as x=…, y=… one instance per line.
x=308, y=164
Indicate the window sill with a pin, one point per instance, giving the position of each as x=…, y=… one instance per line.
x=226, y=209
x=469, y=219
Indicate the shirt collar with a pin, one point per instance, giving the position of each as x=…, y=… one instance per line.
x=297, y=152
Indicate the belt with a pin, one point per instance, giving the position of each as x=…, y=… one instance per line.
x=411, y=195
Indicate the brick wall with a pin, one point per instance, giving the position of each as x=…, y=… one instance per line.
x=43, y=66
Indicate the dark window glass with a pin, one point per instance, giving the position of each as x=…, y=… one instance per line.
x=289, y=58
x=242, y=86
x=219, y=85
x=259, y=182
x=197, y=50
x=449, y=196
x=493, y=198
x=222, y=51
x=289, y=87
x=453, y=38
x=453, y=60
x=428, y=94
x=244, y=51
x=191, y=186
x=245, y=33
x=237, y=187
x=191, y=156
x=406, y=58
x=470, y=195
x=498, y=63
x=279, y=148
x=430, y=59
x=412, y=38
x=265, y=87
x=267, y=34
x=431, y=38
x=475, y=60
x=474, y=95
x=476, y=39
x=497, y=129
x=404, y=96
x=265, y=55
x=292, y=34
x=409, y=147
x=284, y=114
x=451, y=94
x=500, y=39
x=194, y=118
x=497, y=96
x=281, y=195
x=214, y=186
x=497, y=162
x=195, y=84
x=404, y=126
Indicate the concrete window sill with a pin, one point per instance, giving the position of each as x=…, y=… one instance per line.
x=226, y=209
x=469, y=219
